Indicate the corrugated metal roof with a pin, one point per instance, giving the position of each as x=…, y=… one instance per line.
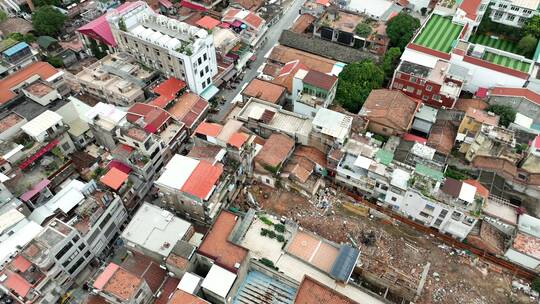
x=344, y=263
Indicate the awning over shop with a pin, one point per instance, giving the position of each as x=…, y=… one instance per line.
x=209, y=92
x=38, y=154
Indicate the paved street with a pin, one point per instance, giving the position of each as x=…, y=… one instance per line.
x=272, y=35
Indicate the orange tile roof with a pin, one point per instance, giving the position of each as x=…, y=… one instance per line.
x=470, y=7
x=237, y=139
x=390, y=108
x=171, y=86
x=42, y=69
x=480, y=189
x=264, y=90
x=207, y=22
x=217, y=246
x=482, y=117
x=311, y=153
x=202, y=179
x=302, y=23
x=188, y=108
x=122, y=284
x=315, y=292
x=182, y=297
x=275, y=150
x=114, y=178
x=463, y=104
x=284, y=54
x=287, y=72
x=16, y=283
x=208, y=129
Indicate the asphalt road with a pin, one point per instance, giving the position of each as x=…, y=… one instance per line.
x=272, y=37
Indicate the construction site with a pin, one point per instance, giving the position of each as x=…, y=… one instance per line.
x=396, y=261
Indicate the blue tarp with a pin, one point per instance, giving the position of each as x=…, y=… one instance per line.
x=15, y=49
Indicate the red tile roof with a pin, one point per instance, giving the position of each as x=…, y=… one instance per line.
x=521, y=92
x=114, y=178
x=463, y=104
x=315, y=292
x=287, y=72
x=264, y=90
x=208, y=22
x=154, y=117
x=182, y=297
x=216, y=245
x=208, y=129
x=41, y=69
x=17, y=283
x=189, y=109
x=202, y=180
x=320, y=80
x=412, y=137
x=105, y=275
x=390, y=108
x=276, y=150
x=170, y=87
x=20, y=263
x=237, y=139
x=480, y=189
x=470, y=7
x=302, y=23
x=442, y=136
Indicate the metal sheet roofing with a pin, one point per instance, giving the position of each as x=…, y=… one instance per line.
x=344, y=263
x=16, y=48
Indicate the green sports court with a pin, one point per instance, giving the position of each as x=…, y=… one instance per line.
x=439, y=34
x=507, y=62
x=500, y=44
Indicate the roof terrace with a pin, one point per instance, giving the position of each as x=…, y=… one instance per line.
x=439, y=34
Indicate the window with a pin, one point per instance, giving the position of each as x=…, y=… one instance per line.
x=425, y=98
x=514, y=8
x=410, y=89
x=437, y=223
x=413, y=79
x=205, y=57
x=201, y=73
x=511, y=17
x=398, y=86
x=436, y=97
x=429, y=88
x=498, y=15
x=429, y=207
x=66, y=146
x=394, y=198
x=423, y=214
x=199, y=61
x=63, y=251
x=206, y=69
x=418, y=92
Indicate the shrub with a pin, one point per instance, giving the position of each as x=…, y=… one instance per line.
x=271, y=234
x=279, y=228
x=266, y=262
x=265, y=220
x=280, y=238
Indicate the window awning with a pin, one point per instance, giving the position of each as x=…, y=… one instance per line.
x=38, y=154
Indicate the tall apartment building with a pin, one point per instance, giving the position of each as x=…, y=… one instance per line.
x=513, y=12
x=175, y=48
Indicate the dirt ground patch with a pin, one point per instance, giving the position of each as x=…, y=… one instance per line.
x=391, y=249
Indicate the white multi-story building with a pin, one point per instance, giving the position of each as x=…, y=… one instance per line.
x=513, y=12
x=175, y=48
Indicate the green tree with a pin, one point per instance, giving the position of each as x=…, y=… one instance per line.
x=363, y=30
x=356, y=82
x=532, y=26
x=536, y=284
x=55, y=61
x=47, y=20
x=401, y=28
x=527, y=45
x=507, y=113
x=28, y=38
x=390, y=62
x=3, y=16
x=38, y=3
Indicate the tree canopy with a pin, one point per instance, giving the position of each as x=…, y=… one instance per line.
x=507, y=113
x=47, y=20
x=400, y=29
x=527, y=45
x=390, y=62
x=532, y=26
x=363, y=30
x=356, y=82
x=20, y=37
